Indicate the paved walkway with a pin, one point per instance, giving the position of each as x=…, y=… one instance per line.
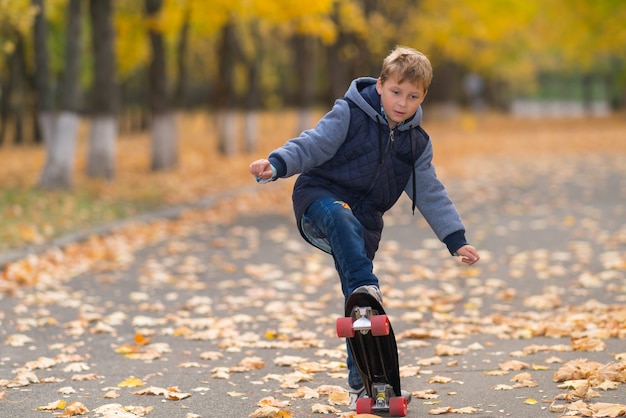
x=224, y=318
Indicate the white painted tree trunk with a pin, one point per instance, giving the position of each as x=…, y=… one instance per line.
x=59, y=134
x=304, y=120
x=101, y=149
x=227, y=130
x=164, y=142
x=251, y=130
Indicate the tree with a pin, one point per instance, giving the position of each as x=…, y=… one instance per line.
x=45, y=102
x=182, y=82
x=16, y=19
x=253, y=58
x=303, y=47
x=228, y=52
x=104, y=101
x=163, y=123
x=346, y=58
x=61, y=130
x=15, y=82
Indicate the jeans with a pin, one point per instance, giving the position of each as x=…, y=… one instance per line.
x=334, y=222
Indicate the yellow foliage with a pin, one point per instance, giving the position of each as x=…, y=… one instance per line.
x=352, y=18
x=131, y=46
x=514, y=39
x=15, y=15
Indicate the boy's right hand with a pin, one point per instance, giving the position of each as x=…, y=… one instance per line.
x=261, y=170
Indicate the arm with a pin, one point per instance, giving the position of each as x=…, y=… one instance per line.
x=435, y=205
x=312, y=148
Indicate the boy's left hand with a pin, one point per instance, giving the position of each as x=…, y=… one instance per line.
x=468, y=254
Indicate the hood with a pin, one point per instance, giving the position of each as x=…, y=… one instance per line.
x=362, y=92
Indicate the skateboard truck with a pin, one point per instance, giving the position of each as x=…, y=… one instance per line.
x=383, y=399
x=383, y=394
x=362, y=322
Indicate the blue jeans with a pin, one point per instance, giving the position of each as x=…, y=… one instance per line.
x=333, y=221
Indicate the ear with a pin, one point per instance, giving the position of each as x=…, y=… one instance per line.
x=379, y=86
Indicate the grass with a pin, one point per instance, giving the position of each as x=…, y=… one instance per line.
x=30, y=215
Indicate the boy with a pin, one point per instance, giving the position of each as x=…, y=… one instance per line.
x=354, y=166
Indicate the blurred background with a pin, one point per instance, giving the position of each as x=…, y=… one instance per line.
x=97, y=97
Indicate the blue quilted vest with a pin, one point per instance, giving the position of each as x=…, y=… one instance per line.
x=370, y=171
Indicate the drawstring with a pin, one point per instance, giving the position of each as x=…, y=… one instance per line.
x=414, y=181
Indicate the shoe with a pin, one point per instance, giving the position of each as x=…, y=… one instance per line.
x=372, y=290
x=356, y=394
x=406, y=394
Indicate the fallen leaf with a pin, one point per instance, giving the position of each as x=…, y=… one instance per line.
x=131, y=382
x=319, y=408
x=270, y=412
x=60, y=404
x=75, y=408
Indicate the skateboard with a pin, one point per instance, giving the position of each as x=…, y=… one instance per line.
x=373, y=346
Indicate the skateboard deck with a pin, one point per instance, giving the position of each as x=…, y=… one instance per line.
x=373, y=346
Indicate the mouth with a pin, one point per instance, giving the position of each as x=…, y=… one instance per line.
x=399, y=114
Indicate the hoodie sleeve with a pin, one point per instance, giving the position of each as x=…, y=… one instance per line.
x=434, y=204
x=314, y=146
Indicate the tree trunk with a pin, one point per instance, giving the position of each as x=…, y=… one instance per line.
x=60, y=150
x=182, y=84
x=164, y=145
x=251, y=130
x=224, y=91
x=253, y=99
x=305, y=69
x=42, y=74
x=164, y=154
x=101, y=149
x=61, y=142
x=6, y=88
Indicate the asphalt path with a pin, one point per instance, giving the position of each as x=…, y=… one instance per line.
x=227, y=315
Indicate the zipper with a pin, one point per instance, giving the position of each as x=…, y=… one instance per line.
x=377, y=175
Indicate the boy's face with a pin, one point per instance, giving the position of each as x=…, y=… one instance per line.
x=400, y=100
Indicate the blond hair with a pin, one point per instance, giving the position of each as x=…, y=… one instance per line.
x=407, y=64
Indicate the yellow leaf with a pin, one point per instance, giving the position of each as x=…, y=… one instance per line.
x=60, y=404
x=131, y=382
x=531, y=401
x=125, y=349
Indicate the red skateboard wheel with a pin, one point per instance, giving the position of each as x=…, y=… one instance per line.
x=344, y=327
x=380, y=325
x=398, y=406
x=364, y=405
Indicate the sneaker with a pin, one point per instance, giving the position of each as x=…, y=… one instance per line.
x=372, y=290
x=406, y=394
x=356, y=394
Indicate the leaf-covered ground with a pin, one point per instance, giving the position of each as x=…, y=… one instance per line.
x=226, y=312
